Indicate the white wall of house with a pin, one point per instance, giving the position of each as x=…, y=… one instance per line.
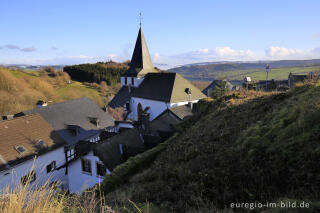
x=156, y=107
x=136, y=81
x=80, y=180
x=12, y=177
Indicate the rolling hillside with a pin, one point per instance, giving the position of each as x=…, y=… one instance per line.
x=253, y=147
x=237, y=70
x=20, y=90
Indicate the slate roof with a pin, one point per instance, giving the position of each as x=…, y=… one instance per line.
x=167, y=87
x=141, y=63
x=78, y=112
x=182, y=111
x=26, y=131
x=165, y=122
x=217, y=84
x=121, y=98
x=109, y=150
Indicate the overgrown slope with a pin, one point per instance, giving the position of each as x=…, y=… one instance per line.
x=263, y=150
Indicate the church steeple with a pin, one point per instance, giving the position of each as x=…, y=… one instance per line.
x=141, y=63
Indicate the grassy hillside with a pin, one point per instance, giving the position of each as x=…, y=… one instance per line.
x=20, y=90
x=261, y=147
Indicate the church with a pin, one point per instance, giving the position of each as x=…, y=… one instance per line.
x=145, y=89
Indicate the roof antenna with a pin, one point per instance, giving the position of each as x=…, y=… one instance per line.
x=140, y=18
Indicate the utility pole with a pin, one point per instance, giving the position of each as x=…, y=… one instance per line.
x=267, y=70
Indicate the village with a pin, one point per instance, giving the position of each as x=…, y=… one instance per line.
x=75, y=143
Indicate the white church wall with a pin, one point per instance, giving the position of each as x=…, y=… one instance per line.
x=80, y=180
x=156, y=107
x=12, y=177
x=136, y=81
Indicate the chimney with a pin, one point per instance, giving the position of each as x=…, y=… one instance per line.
x=145, y=122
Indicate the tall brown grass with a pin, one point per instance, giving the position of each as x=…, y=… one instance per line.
x=32, y=198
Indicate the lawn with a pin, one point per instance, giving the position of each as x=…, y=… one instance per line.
x=78, y=90
x=23, y=73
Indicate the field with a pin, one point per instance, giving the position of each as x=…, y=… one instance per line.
x=255, y=74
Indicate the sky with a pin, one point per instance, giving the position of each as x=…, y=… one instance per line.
x=44, y=32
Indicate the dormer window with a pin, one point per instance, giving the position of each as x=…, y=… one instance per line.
x=42, y=144
x=21, y=149
x=94, y=121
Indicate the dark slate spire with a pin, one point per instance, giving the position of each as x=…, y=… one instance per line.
x=141, y=63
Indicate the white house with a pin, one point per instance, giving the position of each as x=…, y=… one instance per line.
x=85, y=172
x=30, y=147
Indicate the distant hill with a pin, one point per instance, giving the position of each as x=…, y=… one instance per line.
x=236, y=70
x=263, y=149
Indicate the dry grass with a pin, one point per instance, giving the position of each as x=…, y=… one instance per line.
x=20, y=91
x=31, y=198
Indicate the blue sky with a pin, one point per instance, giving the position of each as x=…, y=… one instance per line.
x=177, y=32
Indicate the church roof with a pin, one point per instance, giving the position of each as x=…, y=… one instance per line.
x=167, y=87
x=121, y=98
x=141, y=63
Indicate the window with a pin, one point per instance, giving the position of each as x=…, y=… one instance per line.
x=29, y=178
x=21, y=149
x=101, y=169
x=128, y=106
x=86, y=165
x=51, y=167
x=70, y=154
x=132, y=81
x=125, y=81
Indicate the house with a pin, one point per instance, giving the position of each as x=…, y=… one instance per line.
x=29, y=146
x=95, y=160
x=75, y=120
x=217, y=84
x=146, y=88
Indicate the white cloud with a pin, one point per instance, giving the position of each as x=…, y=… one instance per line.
x=203, y=55
x=282, y=52
x=316, y=36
